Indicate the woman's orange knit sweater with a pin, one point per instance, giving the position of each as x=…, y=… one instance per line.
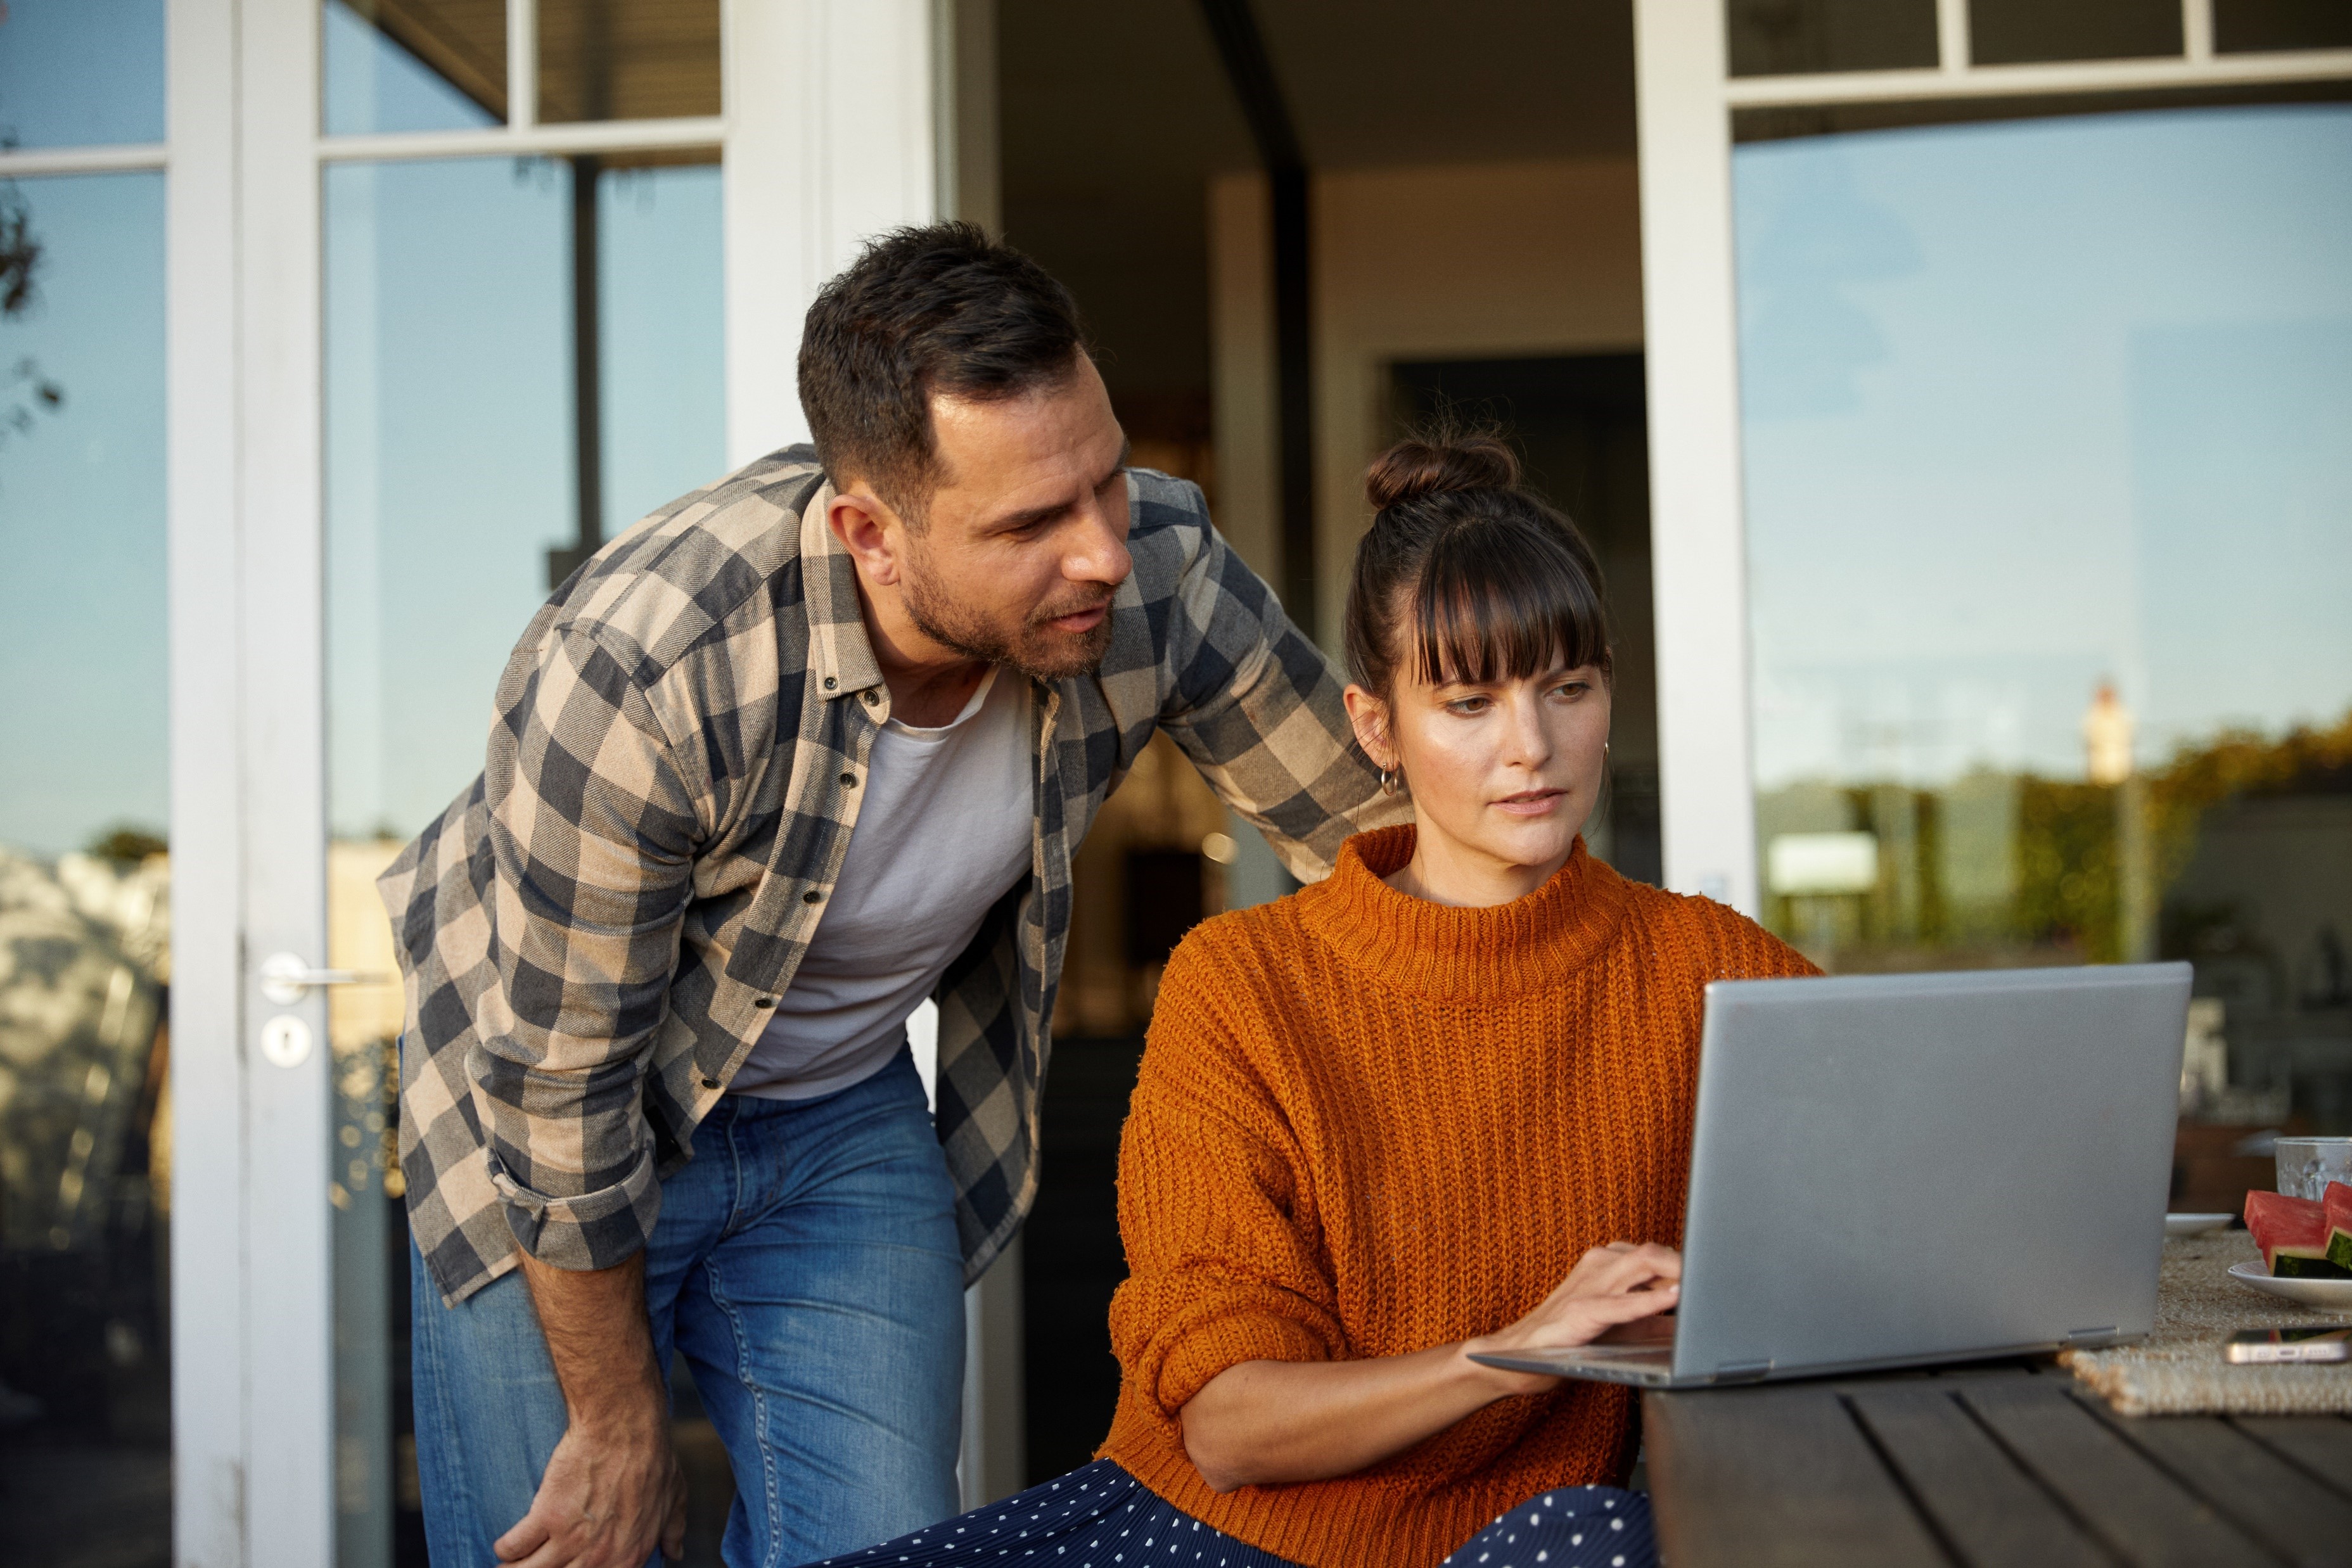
x=1368, y=1125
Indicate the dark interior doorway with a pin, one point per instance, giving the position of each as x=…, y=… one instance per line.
x=1581, y=425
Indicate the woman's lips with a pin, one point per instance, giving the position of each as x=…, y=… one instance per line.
x=1532, y=802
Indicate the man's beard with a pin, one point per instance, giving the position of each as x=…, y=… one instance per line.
x=1035, y=648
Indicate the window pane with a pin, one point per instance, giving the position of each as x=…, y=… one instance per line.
x=85, y=944
x=77, y=73
x=2012, y=32
x=414, y=65
x=2049, y=530
x=2247, y=26
x=453, y=419
x=627, y=59
x=1788, y=38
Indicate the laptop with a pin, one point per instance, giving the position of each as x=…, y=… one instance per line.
x=1893, y=1170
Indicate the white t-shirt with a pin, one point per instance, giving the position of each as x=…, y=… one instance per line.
x=944, y=831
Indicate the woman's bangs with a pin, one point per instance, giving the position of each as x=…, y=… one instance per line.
x=1495, y=605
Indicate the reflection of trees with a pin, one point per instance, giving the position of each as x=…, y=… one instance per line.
x=27, y=389
x=2057, y=883
x=84, y=1127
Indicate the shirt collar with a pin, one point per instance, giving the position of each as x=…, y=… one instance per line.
x=841, y=656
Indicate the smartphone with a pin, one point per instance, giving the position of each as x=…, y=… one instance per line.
x=2321, y=1341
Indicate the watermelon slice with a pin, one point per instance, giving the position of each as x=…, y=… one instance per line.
x=2336, y=1204
x=2293, y=1234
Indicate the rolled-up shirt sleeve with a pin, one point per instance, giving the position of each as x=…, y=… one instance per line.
x=591, y=850
x=1224, y=1243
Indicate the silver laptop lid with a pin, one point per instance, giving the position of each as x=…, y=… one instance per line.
x=1909, y=1168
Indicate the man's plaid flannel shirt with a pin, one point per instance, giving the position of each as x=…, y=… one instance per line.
x=592, y=934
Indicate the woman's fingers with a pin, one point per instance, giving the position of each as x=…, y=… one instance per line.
x=1603, y=1270
x=1584, y=1319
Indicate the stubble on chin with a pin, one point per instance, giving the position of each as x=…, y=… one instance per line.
x=1035, y=648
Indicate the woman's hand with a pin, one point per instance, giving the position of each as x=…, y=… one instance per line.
x=1262, y=1422
x=1610, y=1287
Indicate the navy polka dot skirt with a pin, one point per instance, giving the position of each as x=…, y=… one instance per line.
x=1101, y=1517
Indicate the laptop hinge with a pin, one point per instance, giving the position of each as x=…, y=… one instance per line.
x=2091, y=1336
x=1743, y=1371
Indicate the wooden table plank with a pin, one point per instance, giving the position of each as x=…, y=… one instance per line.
x=2271, y=1499
x=1990, y=1512
x=1764, y=1478
x=2117, y=1490
x=2321, y=1445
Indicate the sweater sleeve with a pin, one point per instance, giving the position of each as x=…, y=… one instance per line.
x=1225, y=1262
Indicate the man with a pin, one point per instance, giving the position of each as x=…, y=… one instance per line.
x=790, y=755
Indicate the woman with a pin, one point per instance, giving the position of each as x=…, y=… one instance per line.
x=1436, y=1105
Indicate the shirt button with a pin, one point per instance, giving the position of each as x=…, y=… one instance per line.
x=830, y=683
x=871, y=699
x=811, y=896
x=710, y=1083
x=850, y=779
x=763, y=1001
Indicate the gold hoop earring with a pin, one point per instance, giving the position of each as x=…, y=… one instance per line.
x=1392, y=784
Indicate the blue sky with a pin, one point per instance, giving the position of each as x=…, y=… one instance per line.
x=75, y=72
x=2026, y=406
x=82, y=634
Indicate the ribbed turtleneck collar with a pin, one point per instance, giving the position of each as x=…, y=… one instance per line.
x=1463, y=954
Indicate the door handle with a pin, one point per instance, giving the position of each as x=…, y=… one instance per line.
x=285, y=979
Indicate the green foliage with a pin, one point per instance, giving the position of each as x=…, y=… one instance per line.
x=2066, y=875
x=127, y=845
x=2069, y=885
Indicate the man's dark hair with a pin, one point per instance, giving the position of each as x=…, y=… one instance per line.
x=937, y=309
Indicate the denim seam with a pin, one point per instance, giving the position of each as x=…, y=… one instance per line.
x=770, y=1483
x=460, y=1475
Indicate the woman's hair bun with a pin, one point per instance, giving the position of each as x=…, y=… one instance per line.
x=1438, y=465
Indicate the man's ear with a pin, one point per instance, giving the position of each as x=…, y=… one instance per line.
x=1369, y=716
x=871, y=532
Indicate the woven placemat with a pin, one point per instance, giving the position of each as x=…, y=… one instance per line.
x=2179, y=1371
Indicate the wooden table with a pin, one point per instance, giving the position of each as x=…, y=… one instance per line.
x=2007, y=1467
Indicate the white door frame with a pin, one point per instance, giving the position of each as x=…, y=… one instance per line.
x=808, y=167
x=1685, y=95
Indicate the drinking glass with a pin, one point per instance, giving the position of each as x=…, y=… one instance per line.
x=2305, y=1166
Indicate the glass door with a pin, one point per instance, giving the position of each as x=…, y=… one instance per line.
x=85, y=836
x=459, y=289
x=521, y=354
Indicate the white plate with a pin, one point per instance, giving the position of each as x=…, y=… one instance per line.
x=2335, y=1294
x=2195, y=1224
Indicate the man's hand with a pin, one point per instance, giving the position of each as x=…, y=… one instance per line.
x=613, y=1490
x=603, y=1503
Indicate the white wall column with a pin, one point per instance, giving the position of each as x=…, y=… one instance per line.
x=1690, y=337
x=830, y=141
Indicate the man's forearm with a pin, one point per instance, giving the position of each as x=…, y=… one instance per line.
x=601, y=1341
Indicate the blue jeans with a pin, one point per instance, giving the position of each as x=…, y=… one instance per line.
x=806, y=1265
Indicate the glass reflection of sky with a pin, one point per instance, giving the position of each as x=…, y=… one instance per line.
x=449, y=439
x=449, y=413
x=82, y=640
x=374, y=85
x=78, y=73
x=2029, y=405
